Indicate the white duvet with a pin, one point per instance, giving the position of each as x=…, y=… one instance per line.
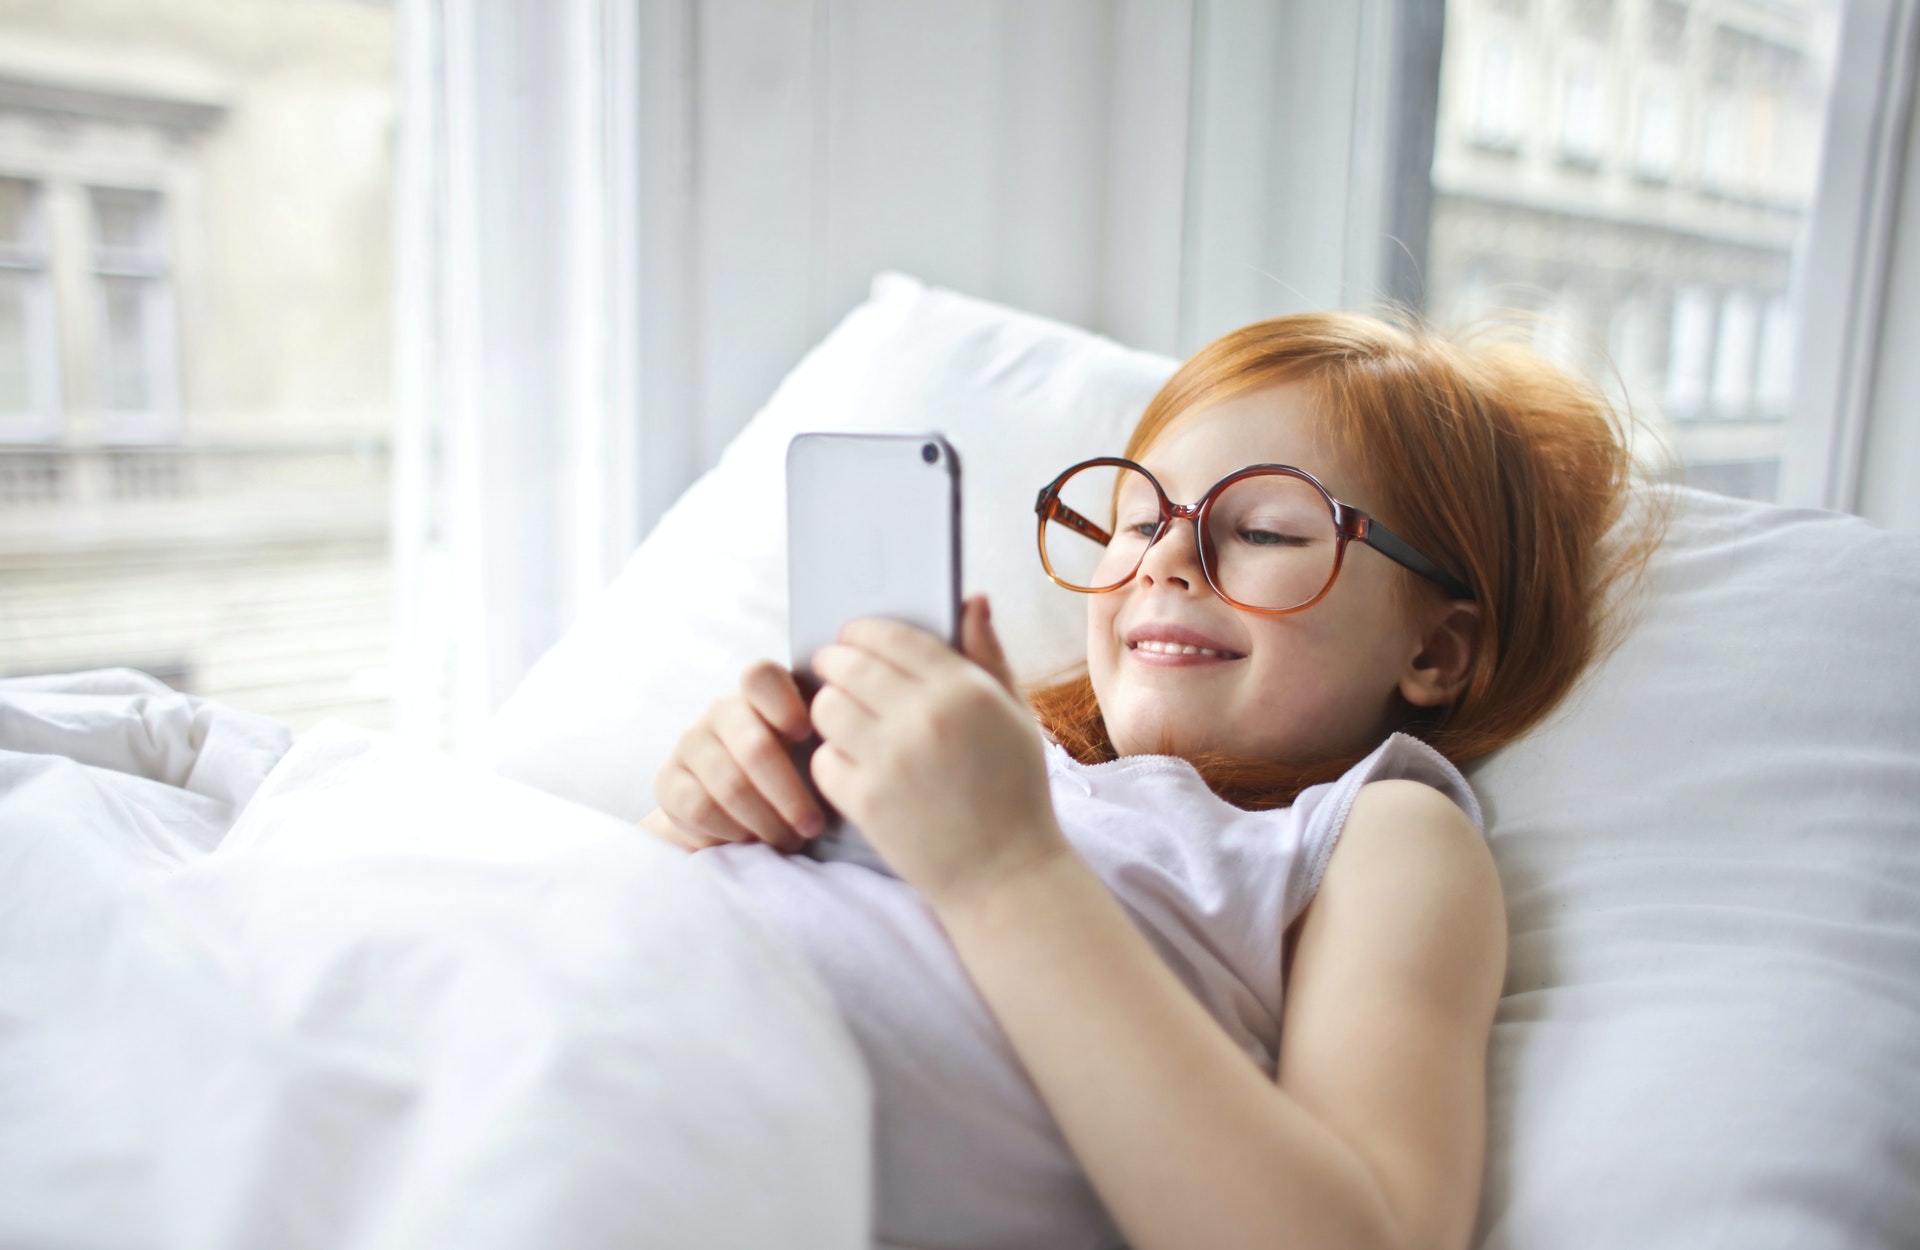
x=380, y=1000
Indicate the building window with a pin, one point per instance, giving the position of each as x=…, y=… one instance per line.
x=1582, y=115
x=1496, y=96
x=136, y=342
x=1765, y=122
x=1690, y=355
x=1721, y=150
x=1773, y=389
x=29, y=351
x=1737, y=340
x=1633, y=337
x=1656, y=143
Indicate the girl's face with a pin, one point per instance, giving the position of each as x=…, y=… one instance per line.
x=1329, y=680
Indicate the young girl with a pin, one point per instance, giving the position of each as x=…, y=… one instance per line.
x=1335, y=556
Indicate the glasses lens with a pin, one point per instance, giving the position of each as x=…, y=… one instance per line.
x=1271, y=541
x=1100, y=530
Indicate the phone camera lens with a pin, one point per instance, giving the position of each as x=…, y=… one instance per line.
x=930, y=452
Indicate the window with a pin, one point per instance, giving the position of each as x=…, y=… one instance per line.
x=29, y=360
x=1496, y=96
x=1722, y=144
x=1734, y=355
x=1656, y=139
x=135, y=343
x=1773, y=388
x=195, y=302
x=1660, y=249
x=1582, y=115
x=1690, y=351
x=1632, y=338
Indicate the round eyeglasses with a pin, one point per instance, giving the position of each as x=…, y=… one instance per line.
x=1271, y=538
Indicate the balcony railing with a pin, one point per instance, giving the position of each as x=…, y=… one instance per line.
x=58, y=498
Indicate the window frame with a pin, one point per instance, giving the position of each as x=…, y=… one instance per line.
x=41, y=421
x=150, y=265
x=1846, y=390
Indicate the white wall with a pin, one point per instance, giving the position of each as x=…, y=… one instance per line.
x=1156, y=170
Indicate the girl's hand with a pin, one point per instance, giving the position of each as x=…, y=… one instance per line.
x=731, y=778
x=932, y=755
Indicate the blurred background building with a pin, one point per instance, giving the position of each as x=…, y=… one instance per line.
x=1637, y=174
x=195, y=314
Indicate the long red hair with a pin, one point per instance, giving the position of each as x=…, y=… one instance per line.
x=1510, y=473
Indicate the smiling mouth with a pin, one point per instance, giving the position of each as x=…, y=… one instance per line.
x=1154, y=647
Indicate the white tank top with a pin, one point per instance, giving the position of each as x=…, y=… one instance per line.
x=966, y=1154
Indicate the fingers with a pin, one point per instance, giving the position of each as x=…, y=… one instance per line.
x=771, y=691
x=689, y=807
x=906, y=647
x=773, y=779
x=979, y=642
x=869, y=678
x=728, y=781
x=732, y=778
x=881, y=666
x=845, y=724
x=661, y=826
x=835, y=773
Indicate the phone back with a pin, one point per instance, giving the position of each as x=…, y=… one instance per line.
x=873, y=529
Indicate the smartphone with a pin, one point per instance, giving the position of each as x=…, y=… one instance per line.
x=873, y=529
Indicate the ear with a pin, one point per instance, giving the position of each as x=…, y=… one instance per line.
x=1439, y=669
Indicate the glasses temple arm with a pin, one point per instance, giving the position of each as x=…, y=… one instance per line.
x=1398, y=550
x=1051, y=509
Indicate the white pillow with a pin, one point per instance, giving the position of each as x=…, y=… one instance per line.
x=1711, y=1031
x=1711, y=1028
x=1019, y=397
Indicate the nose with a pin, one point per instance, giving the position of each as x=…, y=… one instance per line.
x=1175, y=557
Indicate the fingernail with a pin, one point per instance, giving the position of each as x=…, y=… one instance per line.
x=811, y=826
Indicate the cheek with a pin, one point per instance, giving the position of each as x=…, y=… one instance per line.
x=1337, y=657
x=1101, y=610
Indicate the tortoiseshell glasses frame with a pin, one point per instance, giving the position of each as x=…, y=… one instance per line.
x=1350, y=525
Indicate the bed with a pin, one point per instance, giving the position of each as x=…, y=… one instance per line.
x=344, y=992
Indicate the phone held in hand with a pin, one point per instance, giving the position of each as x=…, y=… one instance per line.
x=873, y=529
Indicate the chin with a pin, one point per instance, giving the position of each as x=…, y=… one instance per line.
x=1153, y=737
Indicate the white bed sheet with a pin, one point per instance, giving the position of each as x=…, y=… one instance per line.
x=396, y=1002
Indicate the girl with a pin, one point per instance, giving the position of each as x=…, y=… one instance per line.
x=1335, y=556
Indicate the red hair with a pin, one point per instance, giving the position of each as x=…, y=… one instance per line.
x=1503, y=468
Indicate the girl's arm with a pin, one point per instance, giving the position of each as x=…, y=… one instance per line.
x=1373, y=1135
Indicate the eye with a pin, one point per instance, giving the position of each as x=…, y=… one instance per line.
x=1258, y=535
x=1136, y=523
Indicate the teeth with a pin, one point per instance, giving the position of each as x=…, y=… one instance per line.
x=1174, y=648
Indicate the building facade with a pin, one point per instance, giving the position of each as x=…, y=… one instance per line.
x=1636, y=174
x=194, y=361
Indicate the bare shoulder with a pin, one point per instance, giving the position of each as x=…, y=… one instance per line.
x=1412, y=890
x=1405, y=836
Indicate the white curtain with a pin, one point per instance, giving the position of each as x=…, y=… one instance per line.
x=517, y=461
